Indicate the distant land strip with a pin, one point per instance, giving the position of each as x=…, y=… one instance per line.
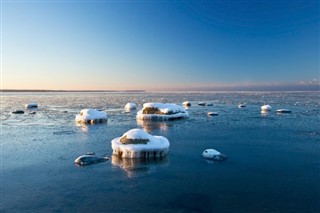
x=40, y=90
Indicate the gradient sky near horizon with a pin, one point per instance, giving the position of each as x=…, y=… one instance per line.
x=154, y=45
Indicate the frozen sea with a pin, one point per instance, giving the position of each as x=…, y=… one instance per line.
x=273, y=159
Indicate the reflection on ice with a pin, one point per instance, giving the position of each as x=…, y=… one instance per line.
x=138, y=167
x=149, y=126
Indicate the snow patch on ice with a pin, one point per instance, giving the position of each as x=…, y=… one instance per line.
x=130, y=106
x=212, y=154
x=31, y=105
x=91, y=116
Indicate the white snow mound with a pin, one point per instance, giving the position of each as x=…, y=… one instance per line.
x=31, y=105
x=266, y=108
x=130, y=106
x=150, y=146
x=91, y=116
x=161, y=111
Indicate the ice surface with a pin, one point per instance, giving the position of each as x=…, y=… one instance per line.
x=91, y=116
x=156, y=146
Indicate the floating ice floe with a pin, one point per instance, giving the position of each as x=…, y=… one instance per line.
x=201, y=103
x=241, y=105
x=91, y=116
x=89, y=158
x=265, y=108
x=31, y=105
x=283, y=111
x=212, y=154
x=160, y=111
x=130, y=106
x=209, y=104
x=212, y=113
x=136, y=143
x=18, y=111
x=186, y=104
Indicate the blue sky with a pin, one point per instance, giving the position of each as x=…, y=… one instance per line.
x=157, y=45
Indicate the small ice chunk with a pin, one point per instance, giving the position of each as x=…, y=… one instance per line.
x=89, y=158
x=209, y=104
x=31, y=105
x=136, y=143
x=241, y=105
x=201, y=103
x=186, y=104
x=91, y=116
x=266, y=108
x=212, y=113
x=283, y=111
x=130, y=106
x=212, y=154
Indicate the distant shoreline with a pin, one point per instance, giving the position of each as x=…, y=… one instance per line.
x=39, y=90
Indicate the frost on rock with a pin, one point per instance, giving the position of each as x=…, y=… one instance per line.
x=89, y=158
x=91, y=116
x=31, y=105
x=130, y=106
x=265, y=108
x=212, y=154
x=161, y=111
x=136, y=143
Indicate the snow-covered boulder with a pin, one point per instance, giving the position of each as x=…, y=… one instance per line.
x=136, y=143
x=18, y=111
x=266, y=108
x=31, y=105
x=130, y=106
x=89, y=158
x=91, y=116
x=212, y=113
x=161, y=111
x=283, y=111
x=212, y=154
x=186, y=104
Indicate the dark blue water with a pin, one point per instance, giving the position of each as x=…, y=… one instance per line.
x=273, y=160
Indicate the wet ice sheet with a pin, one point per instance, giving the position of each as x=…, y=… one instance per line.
x=273, y=161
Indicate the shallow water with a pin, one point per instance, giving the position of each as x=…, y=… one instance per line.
x=273, y=159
